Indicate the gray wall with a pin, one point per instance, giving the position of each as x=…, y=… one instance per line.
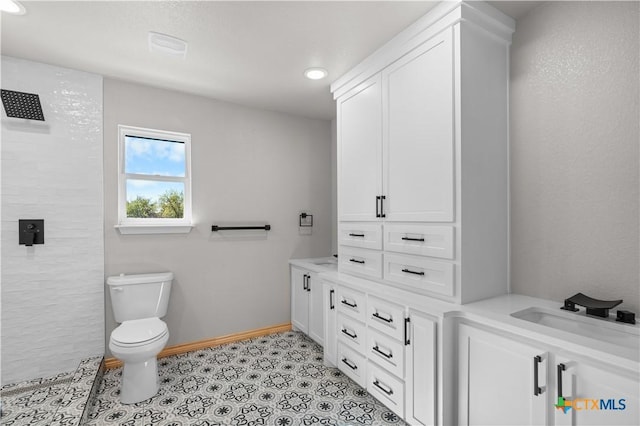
x=52, y=294
x=248, y=165
x=574, y=151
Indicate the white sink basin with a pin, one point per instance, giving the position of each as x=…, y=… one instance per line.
x=329, y=264
x=605, y=330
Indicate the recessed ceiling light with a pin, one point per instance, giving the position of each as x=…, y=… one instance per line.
x=13, y=7
x=169, y=45
x=315, y=73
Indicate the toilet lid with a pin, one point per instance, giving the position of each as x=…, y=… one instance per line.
x=140, y=331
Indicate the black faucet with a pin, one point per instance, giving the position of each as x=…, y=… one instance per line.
x=599, y=308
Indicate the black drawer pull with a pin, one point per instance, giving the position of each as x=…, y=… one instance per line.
x=344, y=302
x=561, y=367
x=384, y=354
x=412, y=239
x=357, y=235
x=383, y=389
x=353, y=336
x=407, y=339
x=331, y=304
x=537, y=390
x=351, y=366
x=357, y=261
x=382, y=213
x=380, y=317
x=377, y=206
x=409, y=271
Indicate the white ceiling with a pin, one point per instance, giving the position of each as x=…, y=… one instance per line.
x=250, y=53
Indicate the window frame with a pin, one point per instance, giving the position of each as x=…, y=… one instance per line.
x=153, y=225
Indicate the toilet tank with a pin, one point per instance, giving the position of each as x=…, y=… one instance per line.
x=138, y=296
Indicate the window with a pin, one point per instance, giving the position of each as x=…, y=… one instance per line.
x=154, y=184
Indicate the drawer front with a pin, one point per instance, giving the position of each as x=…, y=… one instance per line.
x=422, y=240
x=386, y=317
x=352, y=303
x=420, y=273
x=352, y=333
x=352, y=364
x=364, y=235
x=360, y=261
x=386, y=352
x=386, y=388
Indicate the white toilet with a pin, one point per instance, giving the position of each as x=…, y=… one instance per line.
x=138, y=302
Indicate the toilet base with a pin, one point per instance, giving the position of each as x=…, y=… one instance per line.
x=139, y=381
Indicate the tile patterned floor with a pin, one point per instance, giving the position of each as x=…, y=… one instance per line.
x=59, y=400
x=273, y=380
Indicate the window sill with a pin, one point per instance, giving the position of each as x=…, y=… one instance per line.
x=153, y=229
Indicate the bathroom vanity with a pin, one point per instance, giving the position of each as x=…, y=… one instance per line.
x=503, y=360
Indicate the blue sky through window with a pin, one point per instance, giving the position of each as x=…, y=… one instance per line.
x=153, y=157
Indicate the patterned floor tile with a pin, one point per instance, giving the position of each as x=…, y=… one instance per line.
x=273, y=380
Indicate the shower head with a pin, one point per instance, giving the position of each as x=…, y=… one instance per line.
x=22, y=105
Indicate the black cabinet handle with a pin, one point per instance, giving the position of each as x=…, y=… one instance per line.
x=382, y=198
x=344, y=302
x=409, y=271
x=351, y=366
x=331, y=304
x=357, y=235
x=309, y=283
x=380, y=317
x=345, y=331
x=412, y=239
x=407, y=340
x=357, y=261
x=384, y=354
x=379, y=386
x=561, y=368
x=304, y=281
x=537, y=390
x=377, y=206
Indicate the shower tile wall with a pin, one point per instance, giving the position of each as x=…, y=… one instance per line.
x=52, y=294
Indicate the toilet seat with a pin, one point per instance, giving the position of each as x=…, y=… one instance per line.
x=139, y=332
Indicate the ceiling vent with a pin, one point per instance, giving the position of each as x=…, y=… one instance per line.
x=168, y=45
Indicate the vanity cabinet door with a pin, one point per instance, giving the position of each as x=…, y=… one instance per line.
x=598, y=394
x=496, y=380
x=329, y=296
x=420, y=352
x=360, y=151
x=418, y=151
x=299, y=300
x=316, y=311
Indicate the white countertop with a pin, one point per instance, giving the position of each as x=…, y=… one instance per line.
x=496, y=313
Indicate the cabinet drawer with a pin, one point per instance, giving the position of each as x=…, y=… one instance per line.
x=386, y=317
x=352, y=333
x=352, y=303
x=361, y=261
x=352, y=364
x=386, y=388
x=386, y=352
x=420, y=273
x=364, y=235
x=423, y=240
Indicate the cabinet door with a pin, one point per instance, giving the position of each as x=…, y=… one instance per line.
x=418, y=99
x=360, y=151
x=299, y=300
x=421, y=391
x=316, y=312
x=496, y=380
x=598, y=394
x=330, y=337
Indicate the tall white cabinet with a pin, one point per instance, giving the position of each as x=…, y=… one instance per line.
x=422, y=157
